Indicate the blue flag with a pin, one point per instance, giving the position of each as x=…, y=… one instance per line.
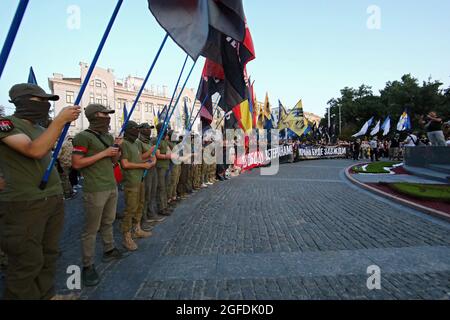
x=404, y=124
x=32, y=77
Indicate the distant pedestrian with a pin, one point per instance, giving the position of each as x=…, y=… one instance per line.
x=433, y=125
x=374, y=149
x=411, y=140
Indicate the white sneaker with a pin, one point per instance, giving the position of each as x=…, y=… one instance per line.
x=204, y=186
x=209, y=183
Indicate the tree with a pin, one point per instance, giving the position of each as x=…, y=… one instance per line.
x=359, y=105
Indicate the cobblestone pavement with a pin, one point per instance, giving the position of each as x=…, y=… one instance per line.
x=305, y=233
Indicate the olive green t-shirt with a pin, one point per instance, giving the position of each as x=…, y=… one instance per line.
x=22, y=174
x=143, y=147
x=98, y=177
x=163, y=148
x=131, y=152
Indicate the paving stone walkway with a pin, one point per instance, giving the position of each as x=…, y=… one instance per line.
x=305, y=233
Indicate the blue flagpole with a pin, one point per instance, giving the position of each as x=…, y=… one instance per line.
x=14, y=28
x=44, y=181
x=166, y=118
x=169, y=115
x=195, y=119
x=143, y=86
x=193, y=105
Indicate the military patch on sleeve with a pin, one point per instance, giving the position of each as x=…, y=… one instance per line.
x=6, y=125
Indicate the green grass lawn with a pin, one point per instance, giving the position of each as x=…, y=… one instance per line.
x=423, y=191
x=376, y=167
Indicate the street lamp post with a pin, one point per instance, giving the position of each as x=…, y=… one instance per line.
x=329, y=117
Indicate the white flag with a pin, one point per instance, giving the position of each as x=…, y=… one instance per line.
x=375, y=130
x=386, y=127
x=364, y=129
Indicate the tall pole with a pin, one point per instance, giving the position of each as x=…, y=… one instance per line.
x=329, y=117
x=14, y=28
x=340, y=121
x=65, y=131
x=141, y=90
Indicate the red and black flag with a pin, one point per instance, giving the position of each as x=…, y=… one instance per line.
x=235, y=56
x=195, y=24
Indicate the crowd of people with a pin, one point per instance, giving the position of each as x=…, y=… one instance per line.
x=433, y=134
x=154, y=178
x=153, y=181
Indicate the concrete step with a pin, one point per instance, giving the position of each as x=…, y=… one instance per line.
x=428, y=174
x=440, y=168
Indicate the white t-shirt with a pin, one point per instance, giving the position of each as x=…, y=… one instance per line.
x=411, y=141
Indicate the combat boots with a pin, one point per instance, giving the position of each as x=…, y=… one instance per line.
x=128, y=242
x=138, y=233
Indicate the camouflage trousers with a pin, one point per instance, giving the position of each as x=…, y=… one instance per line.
x=173, y=181
x=30, y=233
x=197, y=175
x=134, y=206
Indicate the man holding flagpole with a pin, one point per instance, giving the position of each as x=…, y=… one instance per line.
x=94, y=154
x=31, y=219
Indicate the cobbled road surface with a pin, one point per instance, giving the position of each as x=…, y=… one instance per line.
x=305, y=233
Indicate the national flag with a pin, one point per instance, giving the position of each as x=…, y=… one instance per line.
x=386, y=127
x=296, y=121
x=125, y=113
x=376, y=129
x=155, y=118
x=243, y=116
x=364, y=129
x=32, y=77
x=196, y=25
x=404, y=124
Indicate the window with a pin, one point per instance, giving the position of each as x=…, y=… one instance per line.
x=70, y=97
x=118, y=105
x=92, y=83
x=105, y=102
x=91, y=98
x=98, y=83
x=147, y=107
x=98, y=100
x=138, y=106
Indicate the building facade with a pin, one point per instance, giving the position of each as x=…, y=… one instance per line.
x=104, y=88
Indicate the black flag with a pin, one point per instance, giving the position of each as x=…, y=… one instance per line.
x=194, y=24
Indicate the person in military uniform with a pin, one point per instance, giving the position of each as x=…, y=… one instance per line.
x=65, y=164
x=164, y=156
x=95, y=152
x=197, y=165
x=205, y=167
x=145, y=143
x=174, y=178
x=184, y=187
x=3, y=260
x=133, y=164
x=31, y=219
